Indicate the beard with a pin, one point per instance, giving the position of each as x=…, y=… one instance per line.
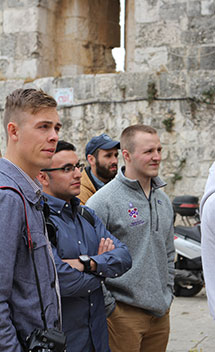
x=104, y=172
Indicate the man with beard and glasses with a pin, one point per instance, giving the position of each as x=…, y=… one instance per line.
x=102, y=155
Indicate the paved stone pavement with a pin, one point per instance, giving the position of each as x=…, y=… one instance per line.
x=192, y=327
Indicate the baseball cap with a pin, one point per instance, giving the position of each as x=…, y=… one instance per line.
x=103, y=142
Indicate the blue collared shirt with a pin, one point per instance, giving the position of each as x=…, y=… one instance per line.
x=83, y=310
x=98, y=182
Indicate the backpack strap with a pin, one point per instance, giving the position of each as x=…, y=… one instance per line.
x=52, y=228
x=86, y=214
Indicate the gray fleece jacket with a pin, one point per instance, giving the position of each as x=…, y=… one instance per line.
x=146, y=227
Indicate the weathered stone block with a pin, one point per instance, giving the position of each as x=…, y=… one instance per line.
x=104, y=86
x=193, y=8
x=23, y=3
x=155, y=35
x=77, y=8
x=201, y=81
x=70, y=70
x=172, y=11
x=176, y=59
x=192, y=63
x=191, y=37
x=202, y=29
x=207, y=7
x=5, y=67
x=207, y=58
x=42, y=20
x=173, y=84
x=25, y=69
x=45, y=84
x=146, y=11
x=27, y=45
x=150, y=58
x=1, y=22
x=77, y=28
x=7, y=45
x=20, y=20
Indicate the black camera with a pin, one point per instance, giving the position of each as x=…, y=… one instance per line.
x=50, y=340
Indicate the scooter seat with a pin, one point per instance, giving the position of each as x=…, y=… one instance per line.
x=193, y=233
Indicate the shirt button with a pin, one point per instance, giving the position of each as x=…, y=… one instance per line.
x=100, y=273
x=66, y=205
x=102, y=282
x=89, y=291
x=91, y=304
x=79, y=242
x=58, y=211
x=116, y=274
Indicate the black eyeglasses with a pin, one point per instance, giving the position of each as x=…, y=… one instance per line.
x=66, y=168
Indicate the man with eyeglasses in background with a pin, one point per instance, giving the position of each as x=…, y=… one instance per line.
x=84, y=251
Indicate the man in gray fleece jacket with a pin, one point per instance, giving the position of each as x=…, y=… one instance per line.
x=136, y=211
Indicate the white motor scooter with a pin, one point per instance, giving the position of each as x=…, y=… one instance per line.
x=187, y=239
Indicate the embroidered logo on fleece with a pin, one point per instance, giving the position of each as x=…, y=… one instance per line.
x=133, y=213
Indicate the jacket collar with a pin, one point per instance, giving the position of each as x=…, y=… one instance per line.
x=58, y=205
x=32, y=194
x=156, y=181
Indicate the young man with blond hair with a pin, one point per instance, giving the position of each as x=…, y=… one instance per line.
x=135, y=210
x=32, y=124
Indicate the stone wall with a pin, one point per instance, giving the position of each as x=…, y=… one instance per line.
x=41, y=38
x=109, y=103
x=169, y=81
x=170, y=35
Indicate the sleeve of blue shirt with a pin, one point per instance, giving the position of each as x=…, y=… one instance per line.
x=109, y=264
x=72, y=281
x=113, y=263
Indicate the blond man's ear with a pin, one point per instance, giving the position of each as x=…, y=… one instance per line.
x=13, y=130
x=43, y=178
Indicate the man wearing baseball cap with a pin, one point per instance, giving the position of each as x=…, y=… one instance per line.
x=102, y=155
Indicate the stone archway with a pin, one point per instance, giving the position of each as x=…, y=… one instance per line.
x=58, y=37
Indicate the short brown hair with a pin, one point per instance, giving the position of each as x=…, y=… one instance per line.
x=127, y=135
x=21, y=100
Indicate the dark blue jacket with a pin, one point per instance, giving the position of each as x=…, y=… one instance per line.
x=20, y=309
x=84, y=319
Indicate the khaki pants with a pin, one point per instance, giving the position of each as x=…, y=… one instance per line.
x=133, y=330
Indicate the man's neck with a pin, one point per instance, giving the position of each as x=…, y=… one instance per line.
x=145, y=182
x=28, y=170
x=100, y=182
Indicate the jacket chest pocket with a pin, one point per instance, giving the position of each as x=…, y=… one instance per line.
x=25, y=269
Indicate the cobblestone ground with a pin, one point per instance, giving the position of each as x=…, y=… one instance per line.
x=192, y=327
